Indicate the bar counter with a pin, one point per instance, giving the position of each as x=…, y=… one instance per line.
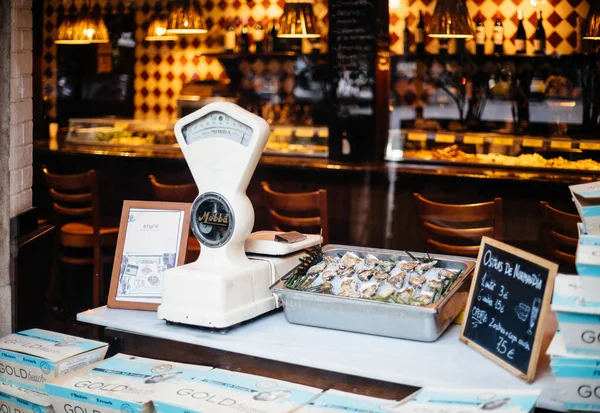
x=370, y=204
x=316, y=163
x=360, y=363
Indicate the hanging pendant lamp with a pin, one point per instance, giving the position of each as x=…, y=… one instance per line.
x=82, y=28
x=95, y=28
x=70, y=31
x=451, y=20
x=298, y=21
x=592, y=26
x=186, y=19
x=157, y=31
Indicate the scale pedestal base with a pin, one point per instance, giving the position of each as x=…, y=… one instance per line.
x=217, y=297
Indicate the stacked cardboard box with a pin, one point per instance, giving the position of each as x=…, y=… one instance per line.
x=575, y=350
x=30, y=359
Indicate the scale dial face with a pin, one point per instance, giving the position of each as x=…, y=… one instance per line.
x=212, y=220
x=217, y=125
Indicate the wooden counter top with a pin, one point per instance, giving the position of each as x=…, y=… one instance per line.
x=391, y=169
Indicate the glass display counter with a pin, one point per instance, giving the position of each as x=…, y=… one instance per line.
x=124, y=134
x=495, y=150
x=121, y=132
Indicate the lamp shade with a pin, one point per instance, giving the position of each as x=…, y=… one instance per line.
x=451, y=20
x=592, y=26
x=298, y=20
x=82, y=28
x=95, y=29
x=157, y=31
x=71, y=31
x=186, y=19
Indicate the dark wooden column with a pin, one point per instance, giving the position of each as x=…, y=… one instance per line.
x=360, y=74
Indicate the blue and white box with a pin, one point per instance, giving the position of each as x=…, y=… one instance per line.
x=332, y=401
x=587, y=259
x=120, y=384
x=148, y=370
x=220, y=391
x=18, y=399
x=578, y=316
x=33, y=357
x=456, y=400
x=577, y=376
x=587, y=201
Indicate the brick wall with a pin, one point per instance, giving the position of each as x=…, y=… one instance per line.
x=21, y=124
x=5, y=287
x=15, y=134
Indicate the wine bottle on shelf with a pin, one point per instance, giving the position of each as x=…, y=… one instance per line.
x=480, y=38
x=316, y=45
x=259, y=37
x=230, y=36
x=498, y=37
x=273, y=40
x=420, y=35
x=245, y=39
x=521, y=39
x=540, y=37
x=443, y=47
x=406, y=39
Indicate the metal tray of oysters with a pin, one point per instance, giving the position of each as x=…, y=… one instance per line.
x=373, y=291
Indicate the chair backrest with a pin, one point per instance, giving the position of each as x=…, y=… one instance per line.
x=456, y=229
x=560, y=233
x=75, y=197
x=173, y=193
x=300, y=211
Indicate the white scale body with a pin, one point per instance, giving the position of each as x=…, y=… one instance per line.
x=222, y=144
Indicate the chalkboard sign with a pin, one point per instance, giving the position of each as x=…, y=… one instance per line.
x=507, y=306
x=358, y=34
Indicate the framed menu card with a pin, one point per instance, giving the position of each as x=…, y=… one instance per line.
x=152, y=238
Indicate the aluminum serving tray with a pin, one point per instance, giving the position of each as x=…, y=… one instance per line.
x=425, y=323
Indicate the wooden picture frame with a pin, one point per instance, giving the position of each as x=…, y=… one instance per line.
x=159, y=242
x=552, y=268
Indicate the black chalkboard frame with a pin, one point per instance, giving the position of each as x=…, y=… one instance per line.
x=552, y=268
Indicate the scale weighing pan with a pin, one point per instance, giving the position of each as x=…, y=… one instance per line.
x=263, y=243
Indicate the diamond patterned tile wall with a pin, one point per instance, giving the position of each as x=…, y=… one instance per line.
x=162, y=68
x=561, y=21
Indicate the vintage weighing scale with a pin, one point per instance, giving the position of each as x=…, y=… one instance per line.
x=222, y=144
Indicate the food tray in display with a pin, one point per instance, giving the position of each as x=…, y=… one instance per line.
x=422, y=323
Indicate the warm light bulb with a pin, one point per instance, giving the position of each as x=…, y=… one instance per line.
x=161, y=31
x=536, y=3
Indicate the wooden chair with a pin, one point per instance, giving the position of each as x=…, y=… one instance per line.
x=173, y=193
x=457, y=229
x=76, y=215
x=299, y=211
x=560, y=234
x=178, y=193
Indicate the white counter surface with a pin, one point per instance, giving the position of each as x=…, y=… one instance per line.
x=446, y=362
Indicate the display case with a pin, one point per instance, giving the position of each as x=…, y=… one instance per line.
x=298, y=140
x=497, y=150
x=128, y=134
x=121, y=132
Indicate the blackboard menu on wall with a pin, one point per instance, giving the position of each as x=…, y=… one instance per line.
x=508, y=302
x=355, y=42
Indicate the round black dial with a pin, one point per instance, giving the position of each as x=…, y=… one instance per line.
x=212, y=220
